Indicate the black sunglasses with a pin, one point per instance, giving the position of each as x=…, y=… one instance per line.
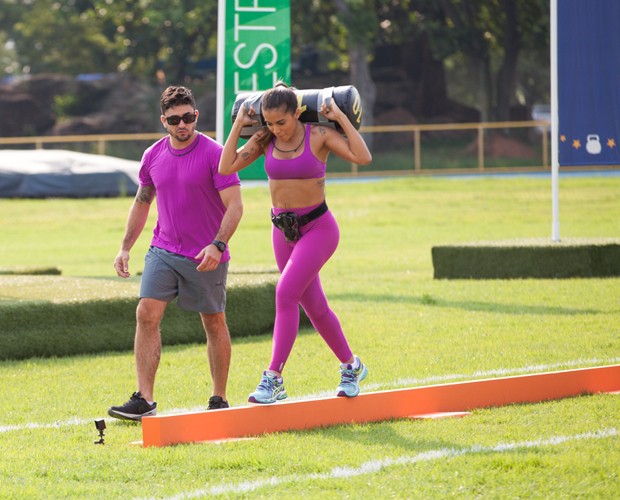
x=175, y=120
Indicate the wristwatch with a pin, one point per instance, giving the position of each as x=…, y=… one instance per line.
x=220, y=245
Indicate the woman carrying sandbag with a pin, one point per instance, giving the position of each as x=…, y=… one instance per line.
x=305, y=234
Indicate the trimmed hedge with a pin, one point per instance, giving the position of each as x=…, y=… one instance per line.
x=31, y=270
x=44, y=328
x=528, y=259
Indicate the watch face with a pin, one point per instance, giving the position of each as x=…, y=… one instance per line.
x=221, y=246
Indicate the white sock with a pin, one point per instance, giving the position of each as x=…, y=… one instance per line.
x=355, y=365
x=274, y=374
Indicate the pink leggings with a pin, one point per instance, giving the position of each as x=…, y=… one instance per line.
x=299, y=264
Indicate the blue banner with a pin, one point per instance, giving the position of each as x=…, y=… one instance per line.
x=588, y=82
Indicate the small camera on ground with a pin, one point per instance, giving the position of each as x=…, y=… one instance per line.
x=100, y=425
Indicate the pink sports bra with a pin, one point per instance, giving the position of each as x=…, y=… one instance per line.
x=305, y=166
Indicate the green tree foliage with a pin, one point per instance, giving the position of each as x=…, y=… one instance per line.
x=151, y=35
x=488, y=39
x=140, y=37
x=495, y=52
x=314, y=24
x=360, y=20
x=62, y=37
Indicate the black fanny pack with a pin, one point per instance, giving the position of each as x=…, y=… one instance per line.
x=289, y=222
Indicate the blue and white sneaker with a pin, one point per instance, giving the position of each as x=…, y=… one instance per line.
x=269, y=390
x=350, y=379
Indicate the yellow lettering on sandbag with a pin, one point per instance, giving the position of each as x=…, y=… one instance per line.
x=299, y=99
x=357, y=108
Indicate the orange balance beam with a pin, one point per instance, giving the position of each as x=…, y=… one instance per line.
x=376, y=406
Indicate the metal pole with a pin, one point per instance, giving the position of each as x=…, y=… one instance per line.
x=480, y=148
x=417, y=154
x=555, y=166
x=220, y=76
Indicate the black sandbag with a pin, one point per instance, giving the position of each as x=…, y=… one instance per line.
x=347, y=98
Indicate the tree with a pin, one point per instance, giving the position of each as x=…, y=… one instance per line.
x=98, y=36
x=490, y=34
x=59, y=37
x=494, y=52
x=152, y=35
x=345, y=32
x=360, y=19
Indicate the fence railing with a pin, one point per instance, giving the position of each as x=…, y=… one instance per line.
x=414, y=164
x=101, y=140
x=480, y=128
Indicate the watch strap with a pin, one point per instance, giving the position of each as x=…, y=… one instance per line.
x=220, y=245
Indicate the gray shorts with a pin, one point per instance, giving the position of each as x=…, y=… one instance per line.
x=168, y=275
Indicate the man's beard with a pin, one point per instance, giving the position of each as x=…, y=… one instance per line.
x=183, y=138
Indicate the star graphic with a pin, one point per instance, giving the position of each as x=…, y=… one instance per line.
x=611, y=143
x=576, y=143
x=563, y=138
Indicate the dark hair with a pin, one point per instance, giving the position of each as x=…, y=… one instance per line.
x=280, y=95
x=176, y=96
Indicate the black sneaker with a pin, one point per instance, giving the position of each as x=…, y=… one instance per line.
x=217, y=403
x=134, y=409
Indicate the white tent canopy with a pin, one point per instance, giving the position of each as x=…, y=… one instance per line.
x=45, y=173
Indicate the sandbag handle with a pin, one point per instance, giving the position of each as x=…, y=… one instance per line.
x=325, y=96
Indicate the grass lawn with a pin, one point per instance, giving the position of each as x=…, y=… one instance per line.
x=410, y=329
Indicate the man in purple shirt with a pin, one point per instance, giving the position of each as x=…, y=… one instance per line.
x=198, y=211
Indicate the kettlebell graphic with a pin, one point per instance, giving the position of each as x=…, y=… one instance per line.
x=593, y=144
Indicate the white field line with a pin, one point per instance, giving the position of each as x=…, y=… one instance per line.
x=53, y=425
x=402, y=382
x=374, y=466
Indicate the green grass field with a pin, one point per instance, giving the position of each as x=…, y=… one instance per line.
x=410, y=329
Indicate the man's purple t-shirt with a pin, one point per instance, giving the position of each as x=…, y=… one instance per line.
x=187, y=186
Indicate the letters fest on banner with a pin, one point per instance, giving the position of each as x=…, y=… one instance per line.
x=588, y=82
x=254, y=52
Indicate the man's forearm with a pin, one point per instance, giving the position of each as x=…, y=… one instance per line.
x=138, y=215
x=230, y=221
